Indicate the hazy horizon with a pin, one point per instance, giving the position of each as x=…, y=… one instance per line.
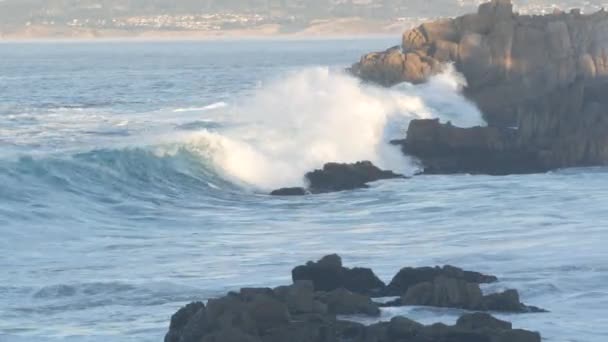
x=95, y=19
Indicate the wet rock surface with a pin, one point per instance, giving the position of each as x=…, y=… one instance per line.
x=328, y=274
x=339, y=177
x=308, y=311
x=537, y=80
x=408, y=277
x=446, y=149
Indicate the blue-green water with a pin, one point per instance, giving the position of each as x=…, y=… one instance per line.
x=133, y=180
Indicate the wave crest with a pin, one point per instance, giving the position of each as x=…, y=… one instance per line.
x=294, y=125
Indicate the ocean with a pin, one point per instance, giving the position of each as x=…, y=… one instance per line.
x=134, y=179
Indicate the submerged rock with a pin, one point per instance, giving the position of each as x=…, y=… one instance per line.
x=302, y=312
x=339, y=177
x=544, y=75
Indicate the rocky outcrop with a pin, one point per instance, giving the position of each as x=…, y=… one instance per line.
x=339, y=177
x=408, y=277
x=230, y=321
x=458, y=293
x=446, y=286
x=344, y=302
x=541, y=75
x=301, y=313
x=328, y=274
x=445, y=149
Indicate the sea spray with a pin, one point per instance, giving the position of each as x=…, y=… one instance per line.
x=296, y=124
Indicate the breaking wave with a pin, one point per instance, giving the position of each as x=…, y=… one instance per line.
x=297, y=124
x=268, y=140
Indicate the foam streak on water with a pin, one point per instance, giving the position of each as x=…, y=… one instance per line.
x=133, y=178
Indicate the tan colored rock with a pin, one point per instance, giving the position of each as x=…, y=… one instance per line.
x=444, y=29
x=540, y=74
x=413, y=40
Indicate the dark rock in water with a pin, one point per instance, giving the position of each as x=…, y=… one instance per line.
x=517, y=335
x=297, y=313
x=328, y=274
x=188, y=324
x=339, y=177
x=507, y=301
x=403, y=328
x=446, y=293
x=269, y=313
x=479, y=320
x=545, y=75
x=446, y=149
x=244, y=327
x=457, y=293
x=408, y=277
x=344, y=302
x=289, y=192
x=300, y=298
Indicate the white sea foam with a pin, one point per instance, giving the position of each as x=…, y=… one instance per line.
x=201, y=109
x=293, y=125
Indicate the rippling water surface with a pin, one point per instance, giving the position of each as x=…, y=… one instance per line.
x=133, y=180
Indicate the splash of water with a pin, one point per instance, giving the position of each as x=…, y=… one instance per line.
x=315, y=116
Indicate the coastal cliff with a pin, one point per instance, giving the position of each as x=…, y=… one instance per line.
x=539, y=81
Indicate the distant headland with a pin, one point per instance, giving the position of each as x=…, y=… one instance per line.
x=209, y=19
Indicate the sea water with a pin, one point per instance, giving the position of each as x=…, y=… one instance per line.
x=134, y=179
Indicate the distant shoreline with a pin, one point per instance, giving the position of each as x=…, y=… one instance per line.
x=328, y=29
x=202, y=38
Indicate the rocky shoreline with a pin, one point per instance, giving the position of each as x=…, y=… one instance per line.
x=312, y=308
x=538, y=81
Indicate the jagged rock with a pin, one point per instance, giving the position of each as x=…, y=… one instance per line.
x=445, y=292
x=229, y=313
x=507, y=301
x=408, y=277
x=328, y=274
x=290, y=313
x=344, y=302
x=188, y=324
x=393, y=66
x=300, y=298
x=517, y=335
x=446, y=149
x=457, y=293
x=268, y=313
x=403, y=328
x=540, y=74
x=229, y=335
x=339, y=177
x=481, y=320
